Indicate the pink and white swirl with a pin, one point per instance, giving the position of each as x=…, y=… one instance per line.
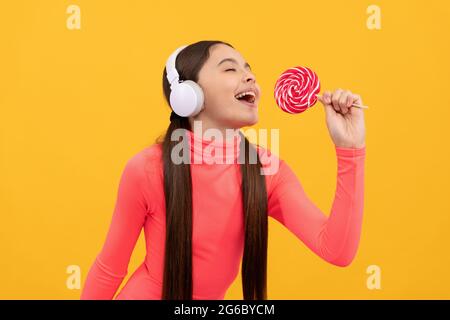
x=296, y=89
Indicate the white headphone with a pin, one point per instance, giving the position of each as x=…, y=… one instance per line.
x=186, y=97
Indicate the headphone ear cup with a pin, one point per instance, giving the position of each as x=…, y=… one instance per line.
x=199, y=94
x=186, y=98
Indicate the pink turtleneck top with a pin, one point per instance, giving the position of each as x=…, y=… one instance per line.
x=218, y=229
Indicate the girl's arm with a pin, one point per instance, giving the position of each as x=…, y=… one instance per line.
x=111, y=264
x=335, y=238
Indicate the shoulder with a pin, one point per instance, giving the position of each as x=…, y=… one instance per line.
x=278, y=172
x=145, y=163
x=151, y=154
x=143, y=175
x=270, y=162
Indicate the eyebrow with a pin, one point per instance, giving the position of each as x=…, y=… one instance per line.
x=234, y=61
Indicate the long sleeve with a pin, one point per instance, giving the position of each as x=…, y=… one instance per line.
x=334, y=238
x=111, y=264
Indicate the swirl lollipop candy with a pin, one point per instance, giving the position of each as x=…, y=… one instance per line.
x=297, y=89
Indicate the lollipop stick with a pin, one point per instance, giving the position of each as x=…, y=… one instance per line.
x=353, y=105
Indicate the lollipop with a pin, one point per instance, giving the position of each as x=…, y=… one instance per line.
x=297, y=89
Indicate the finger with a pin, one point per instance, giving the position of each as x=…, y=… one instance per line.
x=335, y=99
x=320, y=98
x=350, y=100
x=343, y=101
x=354, y=110
x=326, y=97
x=357, y=99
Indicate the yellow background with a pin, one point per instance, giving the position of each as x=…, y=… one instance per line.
x=76, y=104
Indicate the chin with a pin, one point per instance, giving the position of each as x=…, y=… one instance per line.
x=248, y=120
x=253, y=121
x=244, y=116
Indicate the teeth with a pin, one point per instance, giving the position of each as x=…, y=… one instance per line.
x=244, y=93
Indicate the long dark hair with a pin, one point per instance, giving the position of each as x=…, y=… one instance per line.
x=177, y=281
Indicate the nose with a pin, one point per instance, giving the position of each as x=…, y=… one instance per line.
x=249, y=77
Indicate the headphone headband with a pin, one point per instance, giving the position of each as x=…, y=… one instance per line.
x=172, y=73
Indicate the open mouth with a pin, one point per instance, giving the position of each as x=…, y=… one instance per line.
x=247, y=98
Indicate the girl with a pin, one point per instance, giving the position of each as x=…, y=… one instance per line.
x=200, y=219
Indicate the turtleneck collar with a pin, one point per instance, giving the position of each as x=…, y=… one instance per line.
x=212, y=149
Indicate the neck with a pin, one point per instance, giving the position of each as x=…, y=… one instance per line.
x=210, y=144
x=204, y=128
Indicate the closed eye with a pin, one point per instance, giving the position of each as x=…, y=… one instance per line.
x=230, y=69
